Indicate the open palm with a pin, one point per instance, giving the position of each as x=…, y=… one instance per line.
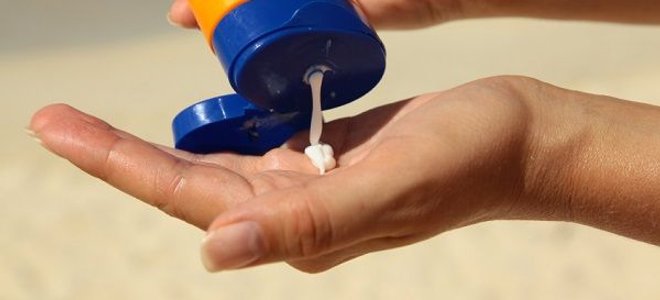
x=406, y=171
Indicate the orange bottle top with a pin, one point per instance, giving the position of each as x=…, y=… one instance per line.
x=208, y=14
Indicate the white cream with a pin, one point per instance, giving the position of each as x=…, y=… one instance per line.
x=321, y=155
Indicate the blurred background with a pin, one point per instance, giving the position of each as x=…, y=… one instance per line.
x=65, y=235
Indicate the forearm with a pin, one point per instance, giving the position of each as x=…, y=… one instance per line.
x=633, y=11
x=596, y=161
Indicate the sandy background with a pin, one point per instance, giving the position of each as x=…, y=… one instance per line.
x=64, y=235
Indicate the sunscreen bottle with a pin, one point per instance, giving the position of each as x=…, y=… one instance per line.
x=266, y=48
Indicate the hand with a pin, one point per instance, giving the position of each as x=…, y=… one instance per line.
x=381, y=13
x=406, y=172
x=407, y=14
x=498, y=148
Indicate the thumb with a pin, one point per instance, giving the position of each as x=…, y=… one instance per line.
x=322, y=216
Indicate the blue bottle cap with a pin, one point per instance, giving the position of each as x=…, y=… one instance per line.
x=230, y=123
x=267, y=46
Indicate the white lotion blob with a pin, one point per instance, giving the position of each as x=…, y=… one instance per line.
x=321, y=155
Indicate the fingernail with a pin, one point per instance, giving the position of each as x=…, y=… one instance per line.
x=232, y=247
x=33, y=135
x=169, y=20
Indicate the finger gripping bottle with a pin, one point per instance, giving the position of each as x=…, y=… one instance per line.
x=267, y=46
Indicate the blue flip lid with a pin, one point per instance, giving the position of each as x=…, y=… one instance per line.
x=230, y=123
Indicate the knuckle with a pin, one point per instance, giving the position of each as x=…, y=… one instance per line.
x=169, y=193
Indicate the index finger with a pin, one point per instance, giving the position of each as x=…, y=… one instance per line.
x=193, y=192
x=181, y=15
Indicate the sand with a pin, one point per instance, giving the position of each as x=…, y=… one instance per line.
x=65, y=235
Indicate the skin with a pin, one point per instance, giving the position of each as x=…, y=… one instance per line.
x=406, y=14
x=493, y=149
x=488, y=150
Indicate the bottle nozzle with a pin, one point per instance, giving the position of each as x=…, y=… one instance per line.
x=313, y=70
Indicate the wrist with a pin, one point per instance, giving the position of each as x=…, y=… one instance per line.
x=529, y=177
x=593, y=160
x=559, y=134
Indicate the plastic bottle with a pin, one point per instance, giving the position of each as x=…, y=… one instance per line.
x=267, y=46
